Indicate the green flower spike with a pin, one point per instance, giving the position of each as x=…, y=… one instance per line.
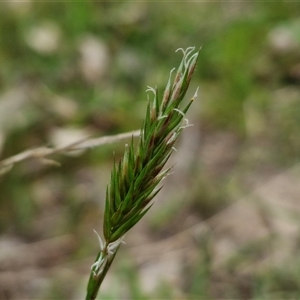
x=134, y=180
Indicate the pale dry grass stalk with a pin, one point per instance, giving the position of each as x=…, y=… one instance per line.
x=42, y=153
x=135, y=179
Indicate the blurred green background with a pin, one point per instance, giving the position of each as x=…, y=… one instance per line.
x=226, y=225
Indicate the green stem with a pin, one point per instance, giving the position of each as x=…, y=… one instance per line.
x=96, y=281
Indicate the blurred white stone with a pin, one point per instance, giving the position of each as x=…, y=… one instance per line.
x=44, y=38
x=67, y=108
x=94, y=58
x=129, y=13
x=282, y=41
